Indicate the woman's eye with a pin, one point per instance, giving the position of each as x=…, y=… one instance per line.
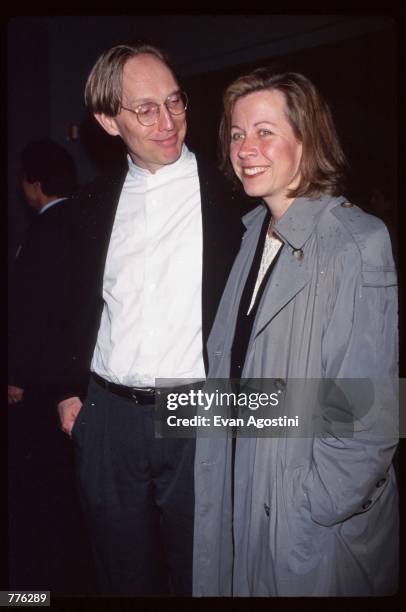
x=265, y=132
x=236, y=136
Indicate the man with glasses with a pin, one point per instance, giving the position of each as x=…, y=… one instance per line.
x=154, y=248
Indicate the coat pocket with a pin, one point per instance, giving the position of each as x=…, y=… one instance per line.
x=304, y=544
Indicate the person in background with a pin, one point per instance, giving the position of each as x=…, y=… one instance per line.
x=312, y=295
x=43, y=505
x=152, y=258
x=40, y=277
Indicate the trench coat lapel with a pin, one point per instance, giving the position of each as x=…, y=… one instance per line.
x=291, y=272
x=288, y=278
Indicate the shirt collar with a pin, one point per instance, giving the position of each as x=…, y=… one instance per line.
x=167, y=171
x=50, y=204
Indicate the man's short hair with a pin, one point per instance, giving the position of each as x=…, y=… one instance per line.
x=323, y=163
x=103, y=92
x=50, y=164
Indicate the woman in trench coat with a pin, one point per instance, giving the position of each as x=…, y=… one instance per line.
x=312, y=295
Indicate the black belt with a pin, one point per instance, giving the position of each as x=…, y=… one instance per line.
x=139, y=395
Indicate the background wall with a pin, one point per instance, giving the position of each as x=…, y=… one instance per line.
x=28, y=112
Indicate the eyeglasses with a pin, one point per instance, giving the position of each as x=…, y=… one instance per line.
x=148, y=113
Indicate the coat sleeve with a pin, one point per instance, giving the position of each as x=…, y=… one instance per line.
x=352, y=456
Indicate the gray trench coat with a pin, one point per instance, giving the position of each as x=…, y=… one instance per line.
x=313, y=516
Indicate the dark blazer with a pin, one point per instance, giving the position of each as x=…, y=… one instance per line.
x=96, y=207
x=39, y=290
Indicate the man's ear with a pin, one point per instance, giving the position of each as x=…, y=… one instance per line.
x=108, y=123
x=37, y=185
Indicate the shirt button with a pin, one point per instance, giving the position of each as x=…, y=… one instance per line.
x=347, y=205
x=298, y=253
x=152, y=286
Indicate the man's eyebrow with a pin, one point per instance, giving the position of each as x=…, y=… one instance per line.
x=138, y=101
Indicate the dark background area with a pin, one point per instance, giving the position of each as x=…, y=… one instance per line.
x=352, y=59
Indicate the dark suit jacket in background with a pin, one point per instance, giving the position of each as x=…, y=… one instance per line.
x=39, y=293
x=47, y=540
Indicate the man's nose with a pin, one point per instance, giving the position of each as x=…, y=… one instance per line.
x=165, y=120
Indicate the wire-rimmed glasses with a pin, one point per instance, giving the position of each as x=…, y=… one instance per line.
x=148, y=113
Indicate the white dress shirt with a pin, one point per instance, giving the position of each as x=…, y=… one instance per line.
x=151, y=325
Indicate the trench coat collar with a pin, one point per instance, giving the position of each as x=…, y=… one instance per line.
x=252, y=216
x=297, y=224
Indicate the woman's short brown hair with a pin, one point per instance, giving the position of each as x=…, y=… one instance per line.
x=103, y=92
x=323, y=162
